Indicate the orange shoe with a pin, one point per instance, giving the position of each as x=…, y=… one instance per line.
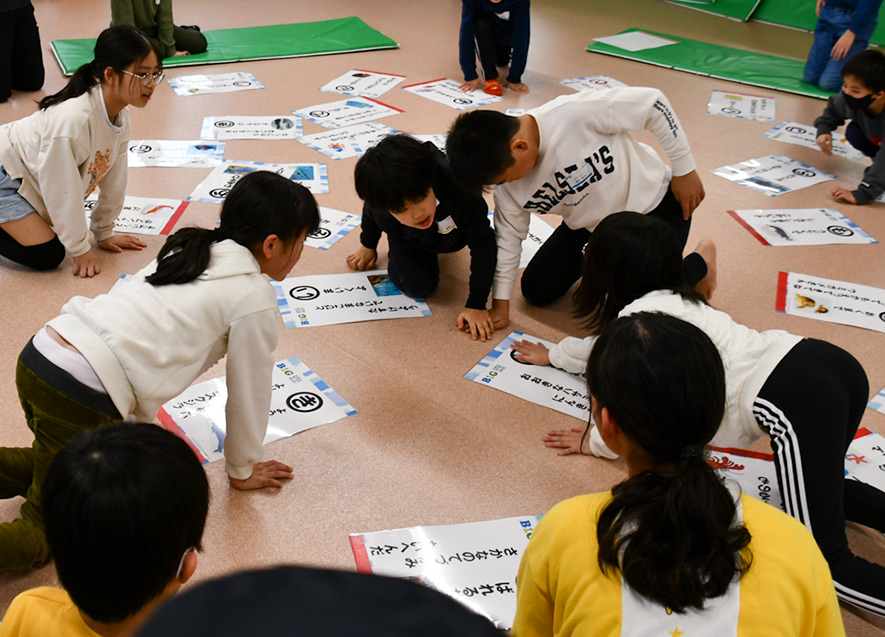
x=493, y=87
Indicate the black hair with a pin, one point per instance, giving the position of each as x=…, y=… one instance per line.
x=121, y=505
x=868, y=67
x=628, y=255
x=260, y=204
x=672, y=536
x=399, y=170
x=478, y=147
x=116, y=47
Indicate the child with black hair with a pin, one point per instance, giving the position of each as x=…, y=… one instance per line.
x=862, y=101
x=498, y=32
x=124, y=507
x=671, y=550
x=76, y=141
x=807, y=395
x=409, y=193
x=154, y=18
x=128, y=351
x=574, y=157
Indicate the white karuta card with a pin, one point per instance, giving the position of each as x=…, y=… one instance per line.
x=362, y=82
x=831, y=301
x=143, y=215
x=334, y=224
x=773, y=175
x=801, y=226
x=355, y=110
x=546, y=386
x=474, y=563
x=593, y=82
x=185, y=85
x=251, y=127
x=300, y=400
x=173, y=153
x=332, y=299
x=446, y=91
x=805, y=135
x=742, y=106
x=218, y=183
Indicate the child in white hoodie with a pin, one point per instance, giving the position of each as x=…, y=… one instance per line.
x=127, y=352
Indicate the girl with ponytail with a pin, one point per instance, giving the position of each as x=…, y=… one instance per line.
x=52, y=160
x=124, y=353
x=807, y=395
x=671, y=550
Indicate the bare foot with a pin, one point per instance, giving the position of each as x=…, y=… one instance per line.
x=707, y=285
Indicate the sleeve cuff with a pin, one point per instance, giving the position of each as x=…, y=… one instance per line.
x=683, y=165
x=598, y=447
x=237, y=472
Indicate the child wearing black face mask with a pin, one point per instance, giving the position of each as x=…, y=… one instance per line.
x=862, y=101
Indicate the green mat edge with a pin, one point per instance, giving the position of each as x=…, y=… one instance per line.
x=174, y=62
x=705, y=8
x=609, y=50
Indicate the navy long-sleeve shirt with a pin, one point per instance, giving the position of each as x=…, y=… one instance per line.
x=512, y=30
x=470, y=216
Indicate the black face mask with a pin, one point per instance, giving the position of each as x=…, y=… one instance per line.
x=858, y=103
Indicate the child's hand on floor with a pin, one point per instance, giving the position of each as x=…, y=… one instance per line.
x=825, y=142
x=519, y=87
x=363, y=259
x=264, y=474
x=689, y=191
x=471, y=85
x=841, y=194
x=86, y=265
x=120, y=242
x=477, y=322
x=569, y=441
x=534, y=353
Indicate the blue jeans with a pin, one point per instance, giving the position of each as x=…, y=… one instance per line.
x=820, y=68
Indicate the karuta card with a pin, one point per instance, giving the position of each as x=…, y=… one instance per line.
x=831, y=301
x=332, y=299
x=173, y=153
x=143, y=215
x=364, y=83
x=801, y=226
x=300, y=400
x=445, y=91
x=546, y=386
x=249, y=127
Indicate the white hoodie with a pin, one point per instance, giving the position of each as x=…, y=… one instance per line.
x=148, y=343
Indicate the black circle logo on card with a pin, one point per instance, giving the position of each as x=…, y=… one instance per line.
x=304, y=293
x=513, y=356
x=242, y=83
x=804, y=172
x=141, y=149
x=731, y=111
x=344, y=87
x=304, y=402
x=599, y=82
x=882, y=316
x=319, y=114
x=219, y=193
x=840, y=231
x=90, y=204
x=223, y=123
x=321, y=233
x=795, y=129
x=462, y=100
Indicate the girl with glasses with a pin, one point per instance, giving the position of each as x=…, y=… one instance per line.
x=52, y=160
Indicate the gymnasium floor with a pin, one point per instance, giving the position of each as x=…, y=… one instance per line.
x=428, y=447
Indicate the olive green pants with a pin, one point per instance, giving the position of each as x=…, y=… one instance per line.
x=55, y=419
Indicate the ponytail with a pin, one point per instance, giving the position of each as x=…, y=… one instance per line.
x=259, y=205
x=673, y=537
x=671, y=534
x=116, y=47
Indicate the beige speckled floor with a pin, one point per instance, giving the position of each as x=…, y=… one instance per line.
x=428, y=447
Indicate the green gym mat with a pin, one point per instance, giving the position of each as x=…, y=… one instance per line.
x=735, y=65
x=799, y=14
x=735, y=9
x=344, y=35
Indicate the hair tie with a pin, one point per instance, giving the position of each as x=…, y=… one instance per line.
x=218, y=234
x=691, y=451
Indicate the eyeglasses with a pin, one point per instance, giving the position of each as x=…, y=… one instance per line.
x=148, y=78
